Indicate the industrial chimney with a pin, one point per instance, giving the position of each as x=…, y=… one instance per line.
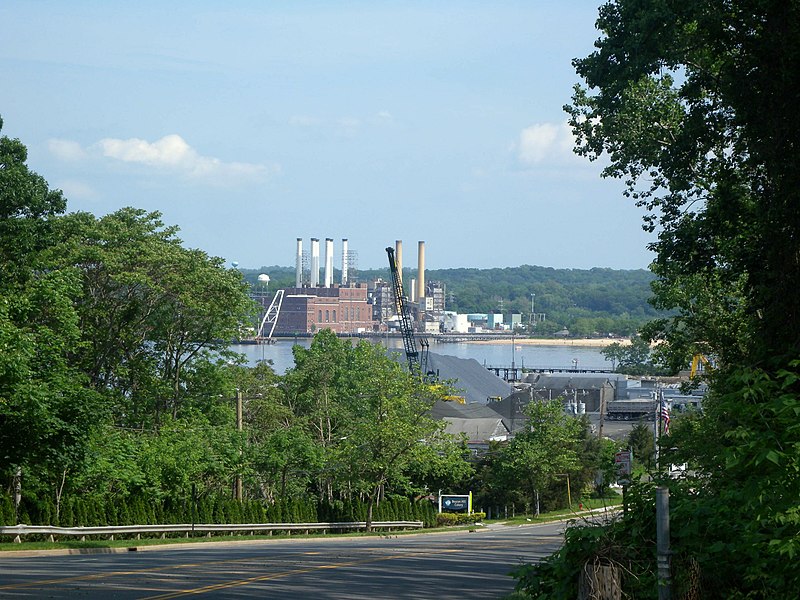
x=344, y=261
x=421, y=270
x=298, y=264
x=328, y=262
x=314, y=278
x=398, y=258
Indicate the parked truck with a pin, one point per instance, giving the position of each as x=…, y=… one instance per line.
x=631, y=410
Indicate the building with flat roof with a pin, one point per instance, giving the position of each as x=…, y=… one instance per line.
x=342, y=309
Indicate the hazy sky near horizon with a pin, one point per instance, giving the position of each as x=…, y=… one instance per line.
x=251, y=123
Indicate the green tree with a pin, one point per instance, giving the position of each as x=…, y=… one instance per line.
x=642, y=443
x=151, y=308
x=693, y=104
x=442, y=463
x=691, y=108
x=315, y=390
x=27, y=209
x=545, y=451
x=389, y=423
x=357, y=422
x=634, y=358
x=597, y=467
x=46, y=415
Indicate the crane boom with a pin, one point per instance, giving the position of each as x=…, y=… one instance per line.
x=417, y=361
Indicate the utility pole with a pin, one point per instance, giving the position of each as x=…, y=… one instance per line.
x=239, y=428
x=662, y=543
x=657, y=425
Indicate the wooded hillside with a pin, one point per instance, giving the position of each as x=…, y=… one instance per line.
x=584, y=301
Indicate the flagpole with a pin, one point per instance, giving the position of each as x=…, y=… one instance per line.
x=656, y=422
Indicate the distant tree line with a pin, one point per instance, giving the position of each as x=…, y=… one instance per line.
x=587, y=302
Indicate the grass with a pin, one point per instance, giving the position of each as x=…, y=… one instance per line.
x=555, y=515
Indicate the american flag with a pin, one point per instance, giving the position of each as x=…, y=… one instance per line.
x=665, y=416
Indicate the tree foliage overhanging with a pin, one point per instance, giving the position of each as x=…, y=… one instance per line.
x=694, y=106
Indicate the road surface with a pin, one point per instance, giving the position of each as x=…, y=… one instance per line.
x=458, y=565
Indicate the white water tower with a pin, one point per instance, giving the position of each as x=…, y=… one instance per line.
x=262, y=282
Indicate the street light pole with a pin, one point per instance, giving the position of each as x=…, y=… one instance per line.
x=533, y=311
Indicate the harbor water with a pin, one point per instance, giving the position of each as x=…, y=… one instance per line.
x=489, y=354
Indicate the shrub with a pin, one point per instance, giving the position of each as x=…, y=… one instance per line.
x=451, y=519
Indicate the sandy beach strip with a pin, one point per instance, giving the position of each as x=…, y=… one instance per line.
x=576, y=343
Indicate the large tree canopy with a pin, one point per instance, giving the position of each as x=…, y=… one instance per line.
x=695, y=106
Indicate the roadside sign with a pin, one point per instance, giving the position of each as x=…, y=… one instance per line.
x=456, y=503
x=623, y=460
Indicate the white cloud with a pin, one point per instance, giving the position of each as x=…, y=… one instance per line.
x=66, y=149
x=172, y=153
x=76, y=190
x=545, y=143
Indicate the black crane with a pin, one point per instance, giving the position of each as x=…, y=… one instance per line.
x=417, y=360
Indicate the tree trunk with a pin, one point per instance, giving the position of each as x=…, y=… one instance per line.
x=368, y=527
x=372, y=499
x=59, y=495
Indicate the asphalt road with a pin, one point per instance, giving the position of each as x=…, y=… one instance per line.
x=458, y=565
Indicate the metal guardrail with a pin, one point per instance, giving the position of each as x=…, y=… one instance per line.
x=18, y=531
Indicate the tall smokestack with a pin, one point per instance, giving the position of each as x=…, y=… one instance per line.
x=344, y=261
x=398, y=257
x=314, y=278
x=421, y=270
x=328, y=262
x=298, y=264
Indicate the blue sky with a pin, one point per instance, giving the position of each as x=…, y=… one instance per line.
x=250, y=124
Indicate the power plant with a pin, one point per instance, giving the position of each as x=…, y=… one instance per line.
x=350, y=306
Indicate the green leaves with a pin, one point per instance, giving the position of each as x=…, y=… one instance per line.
x=546, y=450
x=691, y=102
x=366, y=415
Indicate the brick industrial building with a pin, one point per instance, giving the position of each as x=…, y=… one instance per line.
x=340, y=309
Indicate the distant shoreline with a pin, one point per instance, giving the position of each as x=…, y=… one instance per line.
x=576, y=343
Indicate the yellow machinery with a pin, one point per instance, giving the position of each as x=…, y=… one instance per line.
x=699, y=364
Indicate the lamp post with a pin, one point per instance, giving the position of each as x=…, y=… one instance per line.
x=513, y=350
x=533, y=311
